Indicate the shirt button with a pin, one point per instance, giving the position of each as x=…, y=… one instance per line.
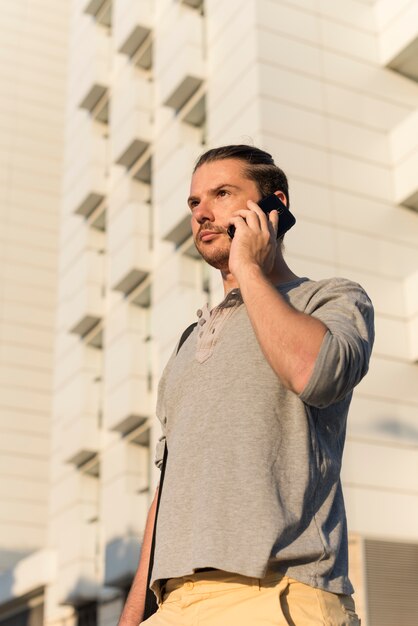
x=199, y=312
x=188, y=585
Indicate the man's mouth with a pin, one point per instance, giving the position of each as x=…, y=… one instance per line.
x=209, y=231
x=208, y=235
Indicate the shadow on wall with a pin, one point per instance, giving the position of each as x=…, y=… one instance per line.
x=15, y=609
x=7, y=583
x=83, y=590
x=121, y=562
x=8, y=562
x=396, y=428
x=121, y=559
x=9, y=558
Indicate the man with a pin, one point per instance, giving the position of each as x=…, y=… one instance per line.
x=251, y=527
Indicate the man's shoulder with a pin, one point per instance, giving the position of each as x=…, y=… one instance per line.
x=310, y=294
x=339, y=286
x=334, y=283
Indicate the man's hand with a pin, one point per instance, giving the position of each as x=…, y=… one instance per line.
x=255, y=240
x=289, y=339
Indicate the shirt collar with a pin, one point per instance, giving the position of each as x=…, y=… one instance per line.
x=232, y=298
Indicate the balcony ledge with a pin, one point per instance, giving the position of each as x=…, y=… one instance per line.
x=89, y=204
x=134, y=40
x=406, y=62
x=129, y=423
x=85, y=325
x=93, y=97
x=131, y=281
x=183, y=92
x=132, y=153
x=194, y=4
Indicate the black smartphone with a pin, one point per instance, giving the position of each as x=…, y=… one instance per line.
x=267, y=204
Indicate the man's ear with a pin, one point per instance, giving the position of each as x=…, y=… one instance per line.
x=281, y=196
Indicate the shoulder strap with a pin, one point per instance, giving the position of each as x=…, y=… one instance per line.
x=150, y=601
x=185, y=334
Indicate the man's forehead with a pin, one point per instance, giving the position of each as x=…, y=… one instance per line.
x=220, y=172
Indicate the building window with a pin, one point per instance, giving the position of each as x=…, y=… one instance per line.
x=101, y=10
x=25, y=616
x=87, y=614
x=391, y=583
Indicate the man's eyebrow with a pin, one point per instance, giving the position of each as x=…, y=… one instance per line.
x=214, y=190
x=225, y=185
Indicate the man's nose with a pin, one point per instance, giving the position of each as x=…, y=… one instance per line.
x=203, y=212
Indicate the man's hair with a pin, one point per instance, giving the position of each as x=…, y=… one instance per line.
x=259, y=166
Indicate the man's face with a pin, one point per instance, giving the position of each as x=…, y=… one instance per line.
x=217, y=190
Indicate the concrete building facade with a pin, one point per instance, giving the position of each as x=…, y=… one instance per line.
x=33, y=59
x=107, y=105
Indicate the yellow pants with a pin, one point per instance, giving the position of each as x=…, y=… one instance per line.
x=218, y=598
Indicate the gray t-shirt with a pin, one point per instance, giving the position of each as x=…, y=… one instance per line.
x=253, y=474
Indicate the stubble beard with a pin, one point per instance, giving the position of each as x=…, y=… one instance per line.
x=217, y=257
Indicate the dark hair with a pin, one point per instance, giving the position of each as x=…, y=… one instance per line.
x=259, y=167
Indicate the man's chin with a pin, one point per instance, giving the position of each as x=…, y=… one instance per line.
x=216, y=258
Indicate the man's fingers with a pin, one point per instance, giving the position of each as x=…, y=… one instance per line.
x=274, y=220
x=256, y=219
x=251, y=218
x=264, y=218
x=237, y=221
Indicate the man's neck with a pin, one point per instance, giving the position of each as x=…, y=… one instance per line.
x=281, y=273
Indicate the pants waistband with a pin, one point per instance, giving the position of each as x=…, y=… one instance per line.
x=203, y=581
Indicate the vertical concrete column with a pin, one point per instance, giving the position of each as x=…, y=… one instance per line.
x=33, y=61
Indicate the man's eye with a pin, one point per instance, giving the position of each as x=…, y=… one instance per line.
x=222, y=192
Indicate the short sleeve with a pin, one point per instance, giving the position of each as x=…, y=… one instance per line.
x=161, y=411
x=161, y=404
x=343, y=359
x=159, y=451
